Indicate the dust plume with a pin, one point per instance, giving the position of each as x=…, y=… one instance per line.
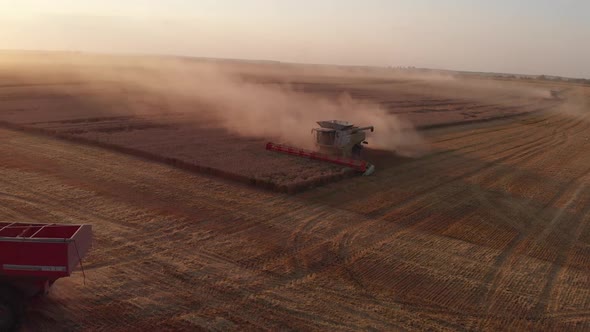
x=269, y=111
x=262, y=100
x=576, y=105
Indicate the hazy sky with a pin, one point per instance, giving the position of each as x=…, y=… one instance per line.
x=525, y=36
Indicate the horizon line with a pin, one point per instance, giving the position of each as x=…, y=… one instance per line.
x=168, y=55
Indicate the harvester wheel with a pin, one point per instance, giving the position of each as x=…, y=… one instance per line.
x=10, y=309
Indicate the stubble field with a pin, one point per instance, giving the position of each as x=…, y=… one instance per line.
x=486, y=228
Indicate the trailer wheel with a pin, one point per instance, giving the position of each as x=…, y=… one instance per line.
x=10, y=309
x=7, y=318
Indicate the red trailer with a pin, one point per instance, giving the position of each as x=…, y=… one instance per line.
x=32, y=258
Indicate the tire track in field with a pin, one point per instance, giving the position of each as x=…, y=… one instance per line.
x=493, y=277
x=496, y=269
x=343, y=257
x=509, y=175
x=297, y=244
x=550, y=143
x=402, y=224
x=304, y=216
x=579, y=221
x=352, y=229
x=549, y=140
x=533, y=145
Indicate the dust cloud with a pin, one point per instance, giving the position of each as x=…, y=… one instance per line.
x=257, y=100
x=267, y=111
x=576, y=105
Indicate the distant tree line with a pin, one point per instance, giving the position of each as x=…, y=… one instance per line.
x=501, y=76
x=563, y=79
x=544, y=78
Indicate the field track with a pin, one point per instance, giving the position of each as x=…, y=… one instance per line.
x=489, y=230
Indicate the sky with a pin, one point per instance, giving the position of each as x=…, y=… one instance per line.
x=527, y=36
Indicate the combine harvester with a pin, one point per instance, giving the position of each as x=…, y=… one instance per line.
x=337, y=142
x=32, y=258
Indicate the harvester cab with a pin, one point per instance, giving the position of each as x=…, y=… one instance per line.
x=556, y=94
x=340, y=138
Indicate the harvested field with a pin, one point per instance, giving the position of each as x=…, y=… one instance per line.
x=487, y=230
